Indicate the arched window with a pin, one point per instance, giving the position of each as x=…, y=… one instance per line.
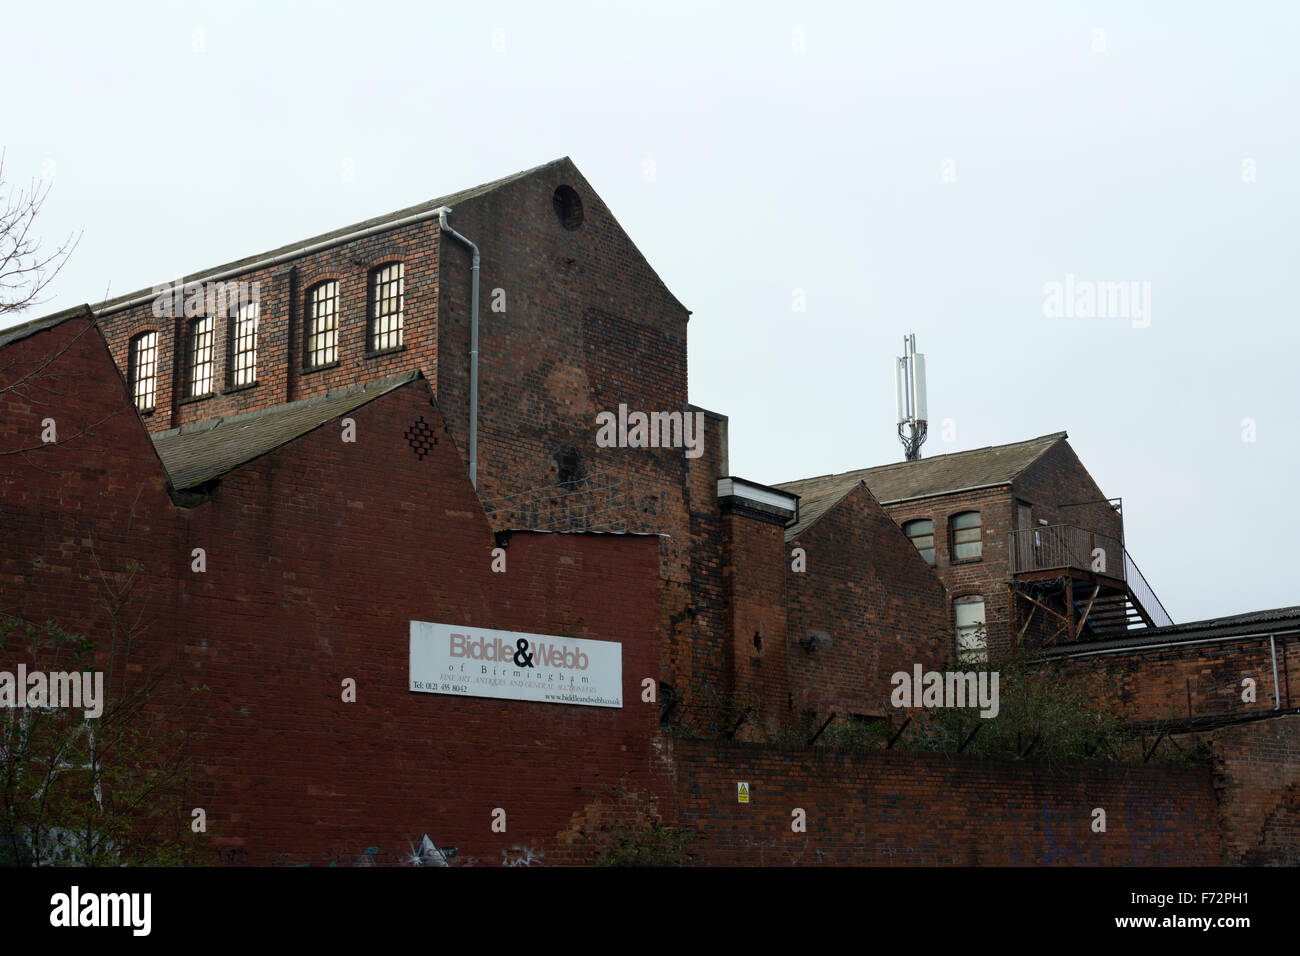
x=323, y=324
x=966, y=542
x=243, y=343
x=972, y=640
x=921, y=533
x=143, y=369
x=387, y=293
x=200, y=352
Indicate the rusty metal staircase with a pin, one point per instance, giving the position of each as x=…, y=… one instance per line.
x=1092, y=580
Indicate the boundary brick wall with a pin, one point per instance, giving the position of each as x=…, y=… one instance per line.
x=1258, y=781
x=1256, y=762
x=911, y=809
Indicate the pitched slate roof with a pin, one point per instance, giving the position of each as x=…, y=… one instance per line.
x=241, y=264
x=15, y=332
x=194, y=454
x=903, y=480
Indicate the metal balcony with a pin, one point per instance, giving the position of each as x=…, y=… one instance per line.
x=1121, y=597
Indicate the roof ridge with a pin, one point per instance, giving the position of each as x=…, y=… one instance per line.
x=794, y=529
x=1056, y=436
x=446, y=199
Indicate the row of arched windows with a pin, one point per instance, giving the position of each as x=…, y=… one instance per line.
x=322, y=318
x=965, y=542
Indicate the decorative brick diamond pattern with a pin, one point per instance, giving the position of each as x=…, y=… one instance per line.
x=421, y=438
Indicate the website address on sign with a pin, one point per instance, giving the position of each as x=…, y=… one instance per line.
x=1202, y=923
x=581, y=699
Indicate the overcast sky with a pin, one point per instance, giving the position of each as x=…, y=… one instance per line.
x=890, y=167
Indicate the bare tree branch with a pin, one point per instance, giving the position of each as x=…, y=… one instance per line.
x=25, y=271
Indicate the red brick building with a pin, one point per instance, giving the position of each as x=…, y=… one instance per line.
x=1021, y=536
x=298, y=423
x=571, y=322
x=295, y=457
x=316, y=556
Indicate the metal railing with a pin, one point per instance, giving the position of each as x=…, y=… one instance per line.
x=1052, y=547
x=1060, y=547
x=1143, y=595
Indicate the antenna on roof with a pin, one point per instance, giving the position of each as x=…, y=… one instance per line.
x=909, y=394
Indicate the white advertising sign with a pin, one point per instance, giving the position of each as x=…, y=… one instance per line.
x=478, y=662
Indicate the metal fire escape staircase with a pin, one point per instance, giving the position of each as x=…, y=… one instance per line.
x=1085, y=584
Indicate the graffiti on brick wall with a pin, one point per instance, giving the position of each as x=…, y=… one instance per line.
x=522, y=856
x=901, y=855
x=422, y=852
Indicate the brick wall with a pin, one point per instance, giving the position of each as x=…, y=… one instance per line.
x=318, y=555
x=588, y=326
x=283, y=291
x=1256, y=761
x=337, y=548
x=1056, y=479
x=1197, y=679
x=86, y=505
x=1258, y=781
x=870, y=602
x=572, y=322
x=904, y=809
x=987, y=575
x=754, y=574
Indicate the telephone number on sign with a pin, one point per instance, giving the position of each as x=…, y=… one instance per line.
x=447, y=688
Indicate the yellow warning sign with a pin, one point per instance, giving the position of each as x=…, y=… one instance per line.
x=742, y=793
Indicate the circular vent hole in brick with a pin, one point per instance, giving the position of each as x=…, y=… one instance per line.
x=568, y=207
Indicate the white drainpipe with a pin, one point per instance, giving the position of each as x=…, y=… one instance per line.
x=473, y=347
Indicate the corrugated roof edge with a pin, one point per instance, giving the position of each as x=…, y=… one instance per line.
x=616, y=534
x=1253, y=623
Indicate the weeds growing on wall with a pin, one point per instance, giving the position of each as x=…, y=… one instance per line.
x=626, y=830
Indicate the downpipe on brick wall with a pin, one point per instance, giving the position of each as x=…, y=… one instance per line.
x=473, y=346
x=1277, y=701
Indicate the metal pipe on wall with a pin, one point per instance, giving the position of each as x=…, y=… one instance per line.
x=473, y=346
